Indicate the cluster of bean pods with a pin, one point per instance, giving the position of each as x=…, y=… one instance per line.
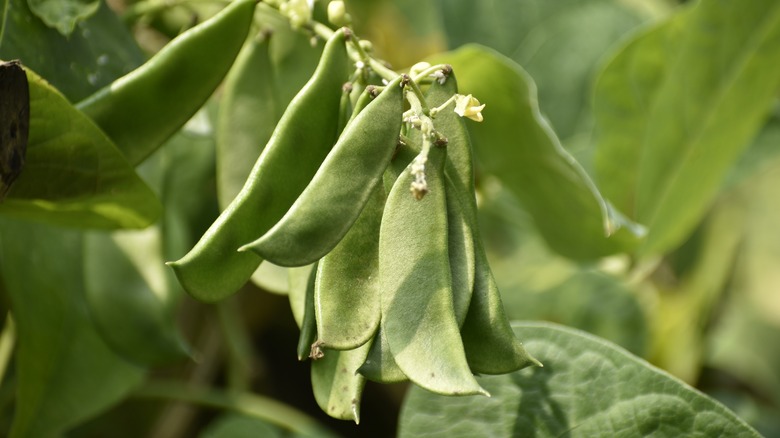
x=390, y=285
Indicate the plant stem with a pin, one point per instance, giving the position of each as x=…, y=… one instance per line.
x=237, y=341
x=245, y=403
x=7, y=341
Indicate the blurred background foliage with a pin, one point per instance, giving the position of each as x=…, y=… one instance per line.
x=707, y=310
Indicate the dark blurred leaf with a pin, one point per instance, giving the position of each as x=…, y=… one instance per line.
x=241, y=426
x=677, y=106
x=14, y=123
x=99, y=51
x=516, y=144
x=132, y=295
x=74, y=175
x=685, y=305
x=63, y=15
x=588, y=387
x=65, y=371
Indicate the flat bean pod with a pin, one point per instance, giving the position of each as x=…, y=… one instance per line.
x=418, y=319
x=380, y=365
x=337, y=386
x=460, y=218
x=333, y=200
x=346, y=294
x=308, y=322
x=490, y=344
x=142, y=109
x=214, y=268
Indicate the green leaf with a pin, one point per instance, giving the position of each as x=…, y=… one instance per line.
x=588, y=387
x=66, y=373
x=99, y=51
x=558, y=42
x=676, y=107
x=63, y=15
x=516, y=144
x=73, y=174
x=132, y=296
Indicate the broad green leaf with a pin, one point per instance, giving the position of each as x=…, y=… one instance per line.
x=99, y=51
x=66, y=372
x=588, y=387
x=761, y=153
x=516, y=144
x=63, y=15
x=73, y=174
x=676, y=107
x=132, y=296
x=558, y=42
x=537, y=284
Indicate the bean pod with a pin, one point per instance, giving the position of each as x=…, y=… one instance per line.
x=333, y=200
x=418, y=319
x=214, y=268
x=142, y=109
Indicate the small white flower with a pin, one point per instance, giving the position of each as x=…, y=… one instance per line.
x=439, y=76
x=469, y=106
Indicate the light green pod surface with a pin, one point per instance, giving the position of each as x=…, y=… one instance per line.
x=380, y=365
x=490, y=344
x=331, y=203
x=460, y=249
x=418, y=318
x=214, y=268
x=346, y=295
x=336, y=384
x=459, y=175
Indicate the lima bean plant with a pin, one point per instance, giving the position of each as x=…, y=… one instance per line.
x=419, y=224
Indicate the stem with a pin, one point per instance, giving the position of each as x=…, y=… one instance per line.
x=245, y=403
x=436, y=110
x=7, y=341
x=239, y=349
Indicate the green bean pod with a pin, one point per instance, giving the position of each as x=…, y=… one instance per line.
x=142, y=109
x=460, y=219
x=489, y=342
x=308, y=323
x=491, y=345
x=337, y=386
x=460, y=248
x=380, y=365
x=333, y=200
x=214, y=268
x=418, y=318
x=346, y=294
